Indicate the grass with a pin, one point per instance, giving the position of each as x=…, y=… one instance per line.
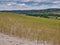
x=30, y=27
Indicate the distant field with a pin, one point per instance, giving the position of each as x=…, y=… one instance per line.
x=30, y=27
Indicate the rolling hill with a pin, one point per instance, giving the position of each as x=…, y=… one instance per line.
x=30, y=27
x=42, y=13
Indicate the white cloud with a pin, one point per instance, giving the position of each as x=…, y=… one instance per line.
x=41, y=4
x=57, y=2
x=9, y=4
x=21, y=4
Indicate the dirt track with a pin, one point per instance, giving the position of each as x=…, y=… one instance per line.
x=10, y=40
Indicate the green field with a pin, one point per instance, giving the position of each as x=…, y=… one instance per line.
x=34, y=28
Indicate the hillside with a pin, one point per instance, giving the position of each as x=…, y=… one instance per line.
x=33, y=28
x=42, y=13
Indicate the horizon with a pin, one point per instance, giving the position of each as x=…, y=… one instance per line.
x=29, y=9
x=28, y=4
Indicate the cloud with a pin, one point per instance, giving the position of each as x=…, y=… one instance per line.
x=28, y=4
x=21, y=4
x=9, y=4
x=58, y=2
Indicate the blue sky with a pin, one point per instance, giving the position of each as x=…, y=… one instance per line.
x=28, y=4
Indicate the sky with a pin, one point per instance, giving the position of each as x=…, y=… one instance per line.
x=28, y=4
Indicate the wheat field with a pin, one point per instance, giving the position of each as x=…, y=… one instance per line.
x=33, y=28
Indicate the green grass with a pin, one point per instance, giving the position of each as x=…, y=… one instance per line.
x=35, y=28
